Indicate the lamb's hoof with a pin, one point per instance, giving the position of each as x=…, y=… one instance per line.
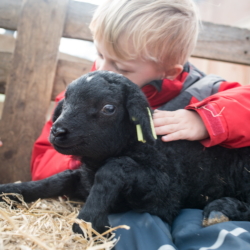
x=76, y=229
x=214, y=218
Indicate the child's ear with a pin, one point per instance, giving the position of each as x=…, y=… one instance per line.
x=173, y=72
x=58, y=110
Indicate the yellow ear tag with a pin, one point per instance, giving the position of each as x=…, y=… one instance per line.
x=151, y=124
x=139, y=129
x=139, y=133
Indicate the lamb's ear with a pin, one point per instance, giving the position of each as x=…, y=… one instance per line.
x=140, y=113
x=58, y=110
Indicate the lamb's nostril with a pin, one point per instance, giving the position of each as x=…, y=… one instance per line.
x=58, y=131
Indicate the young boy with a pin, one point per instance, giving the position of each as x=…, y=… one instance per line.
x=149, y=42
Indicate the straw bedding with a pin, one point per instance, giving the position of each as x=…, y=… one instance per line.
x=47, y=224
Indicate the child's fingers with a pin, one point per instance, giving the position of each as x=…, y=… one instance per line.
x=162, y=121
x=162, y=118
x=178, y=135
x=160, y=113
x=166, y=129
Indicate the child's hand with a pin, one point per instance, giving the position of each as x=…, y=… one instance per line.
x=1, y=144
x=181, y=124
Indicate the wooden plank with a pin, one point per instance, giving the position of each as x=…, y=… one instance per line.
x=5, y=64
x=216, y=42
x=1, y=107
x=78, y=19
x=68, y=69
x=29, y=88
x=223, y=43
x=71, y=67
x=9, y=13
x=7, y=45
x=229, y=71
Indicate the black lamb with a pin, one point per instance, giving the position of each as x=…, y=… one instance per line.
x=97, y=122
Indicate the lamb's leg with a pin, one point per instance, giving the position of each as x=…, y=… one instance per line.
x=226, y=207
x=108, y=185
x=63, y=183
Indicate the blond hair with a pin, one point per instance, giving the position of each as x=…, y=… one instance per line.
x=162, y=31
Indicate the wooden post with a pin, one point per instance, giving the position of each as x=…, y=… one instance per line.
x=30, y=84
x=223, y=43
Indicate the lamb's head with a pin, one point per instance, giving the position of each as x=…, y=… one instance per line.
x=98, y=115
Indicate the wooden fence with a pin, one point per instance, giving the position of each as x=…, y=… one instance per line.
x=34, y=72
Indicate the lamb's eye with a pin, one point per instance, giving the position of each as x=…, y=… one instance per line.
x=108, y=109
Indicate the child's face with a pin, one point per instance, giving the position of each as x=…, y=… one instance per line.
x=138, y=71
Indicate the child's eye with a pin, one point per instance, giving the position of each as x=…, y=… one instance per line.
x=123, y=71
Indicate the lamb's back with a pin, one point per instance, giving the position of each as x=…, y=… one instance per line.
x=208, y=173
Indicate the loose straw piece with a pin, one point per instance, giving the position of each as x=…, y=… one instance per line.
x=47, y=225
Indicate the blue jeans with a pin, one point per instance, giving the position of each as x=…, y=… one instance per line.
x=149, y=232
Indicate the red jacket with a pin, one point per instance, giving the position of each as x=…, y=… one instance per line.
x=226, y=115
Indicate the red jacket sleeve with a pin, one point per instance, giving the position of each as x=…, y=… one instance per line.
x=226, y=116
x=45, y=160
